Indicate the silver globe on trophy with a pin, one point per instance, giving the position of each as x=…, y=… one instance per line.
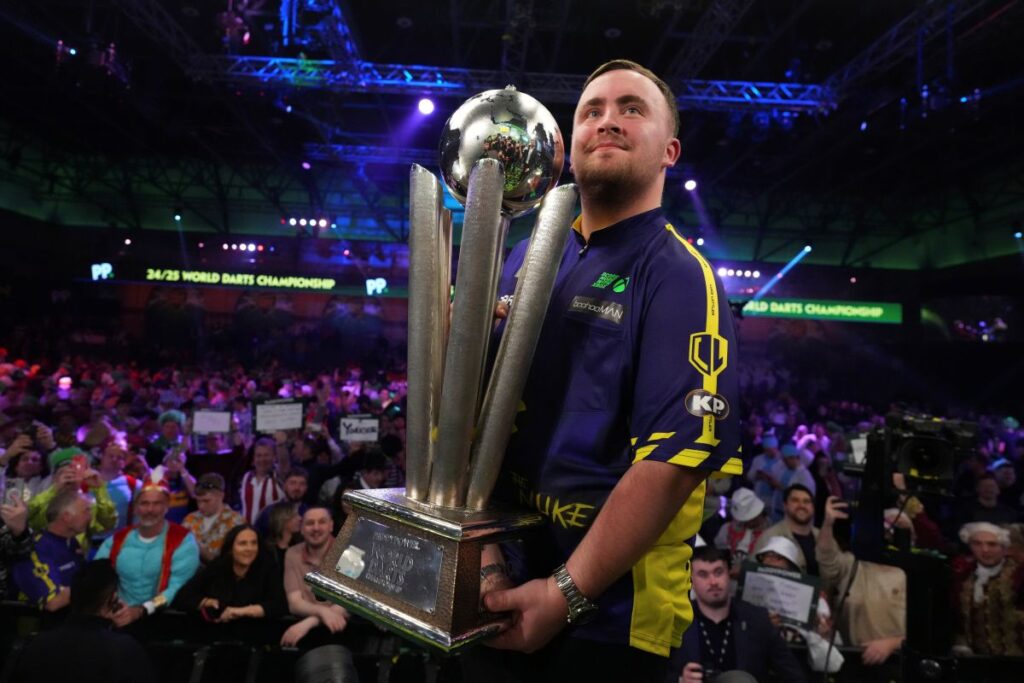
x=409, y=559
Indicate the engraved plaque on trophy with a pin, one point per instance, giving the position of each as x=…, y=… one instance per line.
x=409, y=559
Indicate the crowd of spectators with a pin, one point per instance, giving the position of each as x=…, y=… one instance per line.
x=101, y=466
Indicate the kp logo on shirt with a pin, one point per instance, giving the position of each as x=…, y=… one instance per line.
x=708, y=353
x=700, y=403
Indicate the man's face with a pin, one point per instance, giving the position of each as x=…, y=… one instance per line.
x=987, y=549
x=78, y=516
x=29, y=465
x=263, y=459
x=210, y=502
x=988, y=490
x=711, y=583
x=375, y=478
x=113, y=457
x=799, y=507
x=1006, y=477
x=792, y=461
x=316, y=527
x=621, y=134
x=151, y=507
x=295, y=488
x=170, y=430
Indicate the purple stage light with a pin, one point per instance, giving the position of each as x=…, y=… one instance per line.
x=690, y=185
x=306, y=166
x=426, y=106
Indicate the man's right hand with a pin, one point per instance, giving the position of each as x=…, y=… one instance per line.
x=21, y=443
x=334, y=617
x=15, y=514
x=835, y=509
x=692, y=673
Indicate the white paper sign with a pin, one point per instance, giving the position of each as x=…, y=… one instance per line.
x=211, y=422
x=273, y=417
x=790, y=598
x=359, y=428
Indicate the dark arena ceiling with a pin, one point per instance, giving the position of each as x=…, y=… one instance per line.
x=885, y=133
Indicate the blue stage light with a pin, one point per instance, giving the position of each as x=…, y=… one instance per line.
x=426, y=106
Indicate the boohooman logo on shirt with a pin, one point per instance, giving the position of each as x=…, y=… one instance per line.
x=606, y=310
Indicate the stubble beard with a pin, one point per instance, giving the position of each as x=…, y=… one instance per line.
x=611, y=186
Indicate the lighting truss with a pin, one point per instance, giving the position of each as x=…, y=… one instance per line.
x=457, y=82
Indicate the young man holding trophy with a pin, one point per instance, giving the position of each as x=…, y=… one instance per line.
x=619, y=343
x=631, y=403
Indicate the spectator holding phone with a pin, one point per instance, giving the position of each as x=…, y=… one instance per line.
x=15, y=539
x=71, y=472
x=242, y=583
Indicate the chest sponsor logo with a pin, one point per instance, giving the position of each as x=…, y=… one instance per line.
x=606, y=310
x=617, y=283
x=700, y=403
x=708, y=353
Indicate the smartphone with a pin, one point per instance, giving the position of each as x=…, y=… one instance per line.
x=80, y=463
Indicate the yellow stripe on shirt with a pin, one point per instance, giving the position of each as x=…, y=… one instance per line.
x=661, y=583
x=717, y=346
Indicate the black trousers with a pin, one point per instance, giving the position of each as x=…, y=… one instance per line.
x=564, y=660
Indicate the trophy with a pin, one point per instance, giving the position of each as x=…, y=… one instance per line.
x=409, y=559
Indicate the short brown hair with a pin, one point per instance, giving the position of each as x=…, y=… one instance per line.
x=629, y=65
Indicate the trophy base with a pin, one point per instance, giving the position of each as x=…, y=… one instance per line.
x=415, y=568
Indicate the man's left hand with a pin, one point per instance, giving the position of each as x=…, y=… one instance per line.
x=877, y=651
x=539, y=612
x=127, y=614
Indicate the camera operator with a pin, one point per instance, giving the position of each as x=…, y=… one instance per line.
x=872, y=598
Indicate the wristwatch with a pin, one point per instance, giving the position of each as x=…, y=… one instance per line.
x=581, y=609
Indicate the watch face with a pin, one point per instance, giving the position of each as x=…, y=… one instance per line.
x=585, y=616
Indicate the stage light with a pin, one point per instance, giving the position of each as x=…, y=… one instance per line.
x=259, y=247
x=302, y=222
x=690, y=185
x=853, y=280
x=234, y=247
x=334, y=226
x=323, y=222
x=700, y=241
x=306, y=166
x=127, y=241
x=807, y=248
x=1018, y=234
x=72, y=51
x=730, y=272
x=225, y=246
x=346, y=253
x=782, y=273
x=963, y=100
x=863, y=126
x=721, y=272
x=288, y=109
x=252, y=247
x=757, y=274
x=292, y=221
x=201, y=245
x=426, y=106
x=177, y=218
x=746, y=273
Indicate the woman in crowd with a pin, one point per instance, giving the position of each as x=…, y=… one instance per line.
x=283, y=530
x=241, y=584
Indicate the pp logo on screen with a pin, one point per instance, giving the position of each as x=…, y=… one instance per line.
x=376, y=285
x=102, y=271
x=708, y=353
x=700, y=403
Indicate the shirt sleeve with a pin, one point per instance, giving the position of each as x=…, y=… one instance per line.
x=104, y=514
x=685, y=398
x=37, y=578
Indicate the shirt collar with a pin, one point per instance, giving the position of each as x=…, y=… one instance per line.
x=623, y=231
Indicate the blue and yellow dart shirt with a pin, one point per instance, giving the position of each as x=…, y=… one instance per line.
x=636, y=360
